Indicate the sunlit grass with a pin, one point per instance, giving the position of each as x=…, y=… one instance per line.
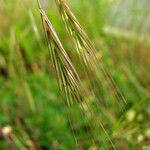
x=32, y=113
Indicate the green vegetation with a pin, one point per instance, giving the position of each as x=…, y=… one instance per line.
x=90, y=92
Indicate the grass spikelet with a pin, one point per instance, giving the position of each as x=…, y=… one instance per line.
x=69, y=81
x=66, y=73
x=87, y=54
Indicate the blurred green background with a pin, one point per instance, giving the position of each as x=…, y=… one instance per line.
x=120, y=31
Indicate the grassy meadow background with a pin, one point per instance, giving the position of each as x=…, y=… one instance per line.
x=32, y=114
